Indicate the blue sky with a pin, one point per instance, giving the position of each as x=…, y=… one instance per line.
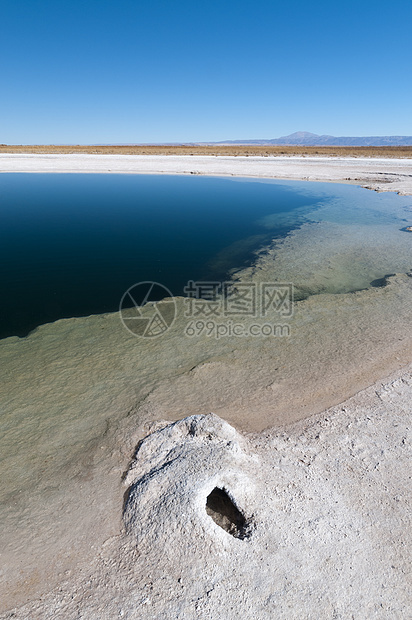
x=128, y=71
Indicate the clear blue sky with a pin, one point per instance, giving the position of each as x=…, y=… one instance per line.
x=107, y=71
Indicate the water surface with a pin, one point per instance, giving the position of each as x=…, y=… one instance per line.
x=72, y=244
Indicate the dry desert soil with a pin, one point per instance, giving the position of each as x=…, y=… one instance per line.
x=218, y=150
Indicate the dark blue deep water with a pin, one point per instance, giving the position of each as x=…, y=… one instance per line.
x=72, y=244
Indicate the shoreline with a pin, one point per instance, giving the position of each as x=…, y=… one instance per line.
x=382, y=175
x=194, y=386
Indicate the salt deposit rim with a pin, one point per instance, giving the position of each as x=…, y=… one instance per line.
x=386, y=174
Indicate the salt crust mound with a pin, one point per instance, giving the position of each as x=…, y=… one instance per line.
x=327, y=504
x=212, y=454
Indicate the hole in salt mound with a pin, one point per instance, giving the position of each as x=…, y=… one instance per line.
x=224, y=513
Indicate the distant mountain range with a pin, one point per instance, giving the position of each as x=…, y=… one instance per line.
x=304, y=138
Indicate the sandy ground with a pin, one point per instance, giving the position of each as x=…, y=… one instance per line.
x=328, y=542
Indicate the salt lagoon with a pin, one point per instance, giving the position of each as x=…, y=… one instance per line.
x=78, y=394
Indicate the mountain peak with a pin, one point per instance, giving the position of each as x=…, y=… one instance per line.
x=305, y=138
x=299, y=135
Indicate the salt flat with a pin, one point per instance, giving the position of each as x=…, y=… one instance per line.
x=378, y=174
x=327, y=522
